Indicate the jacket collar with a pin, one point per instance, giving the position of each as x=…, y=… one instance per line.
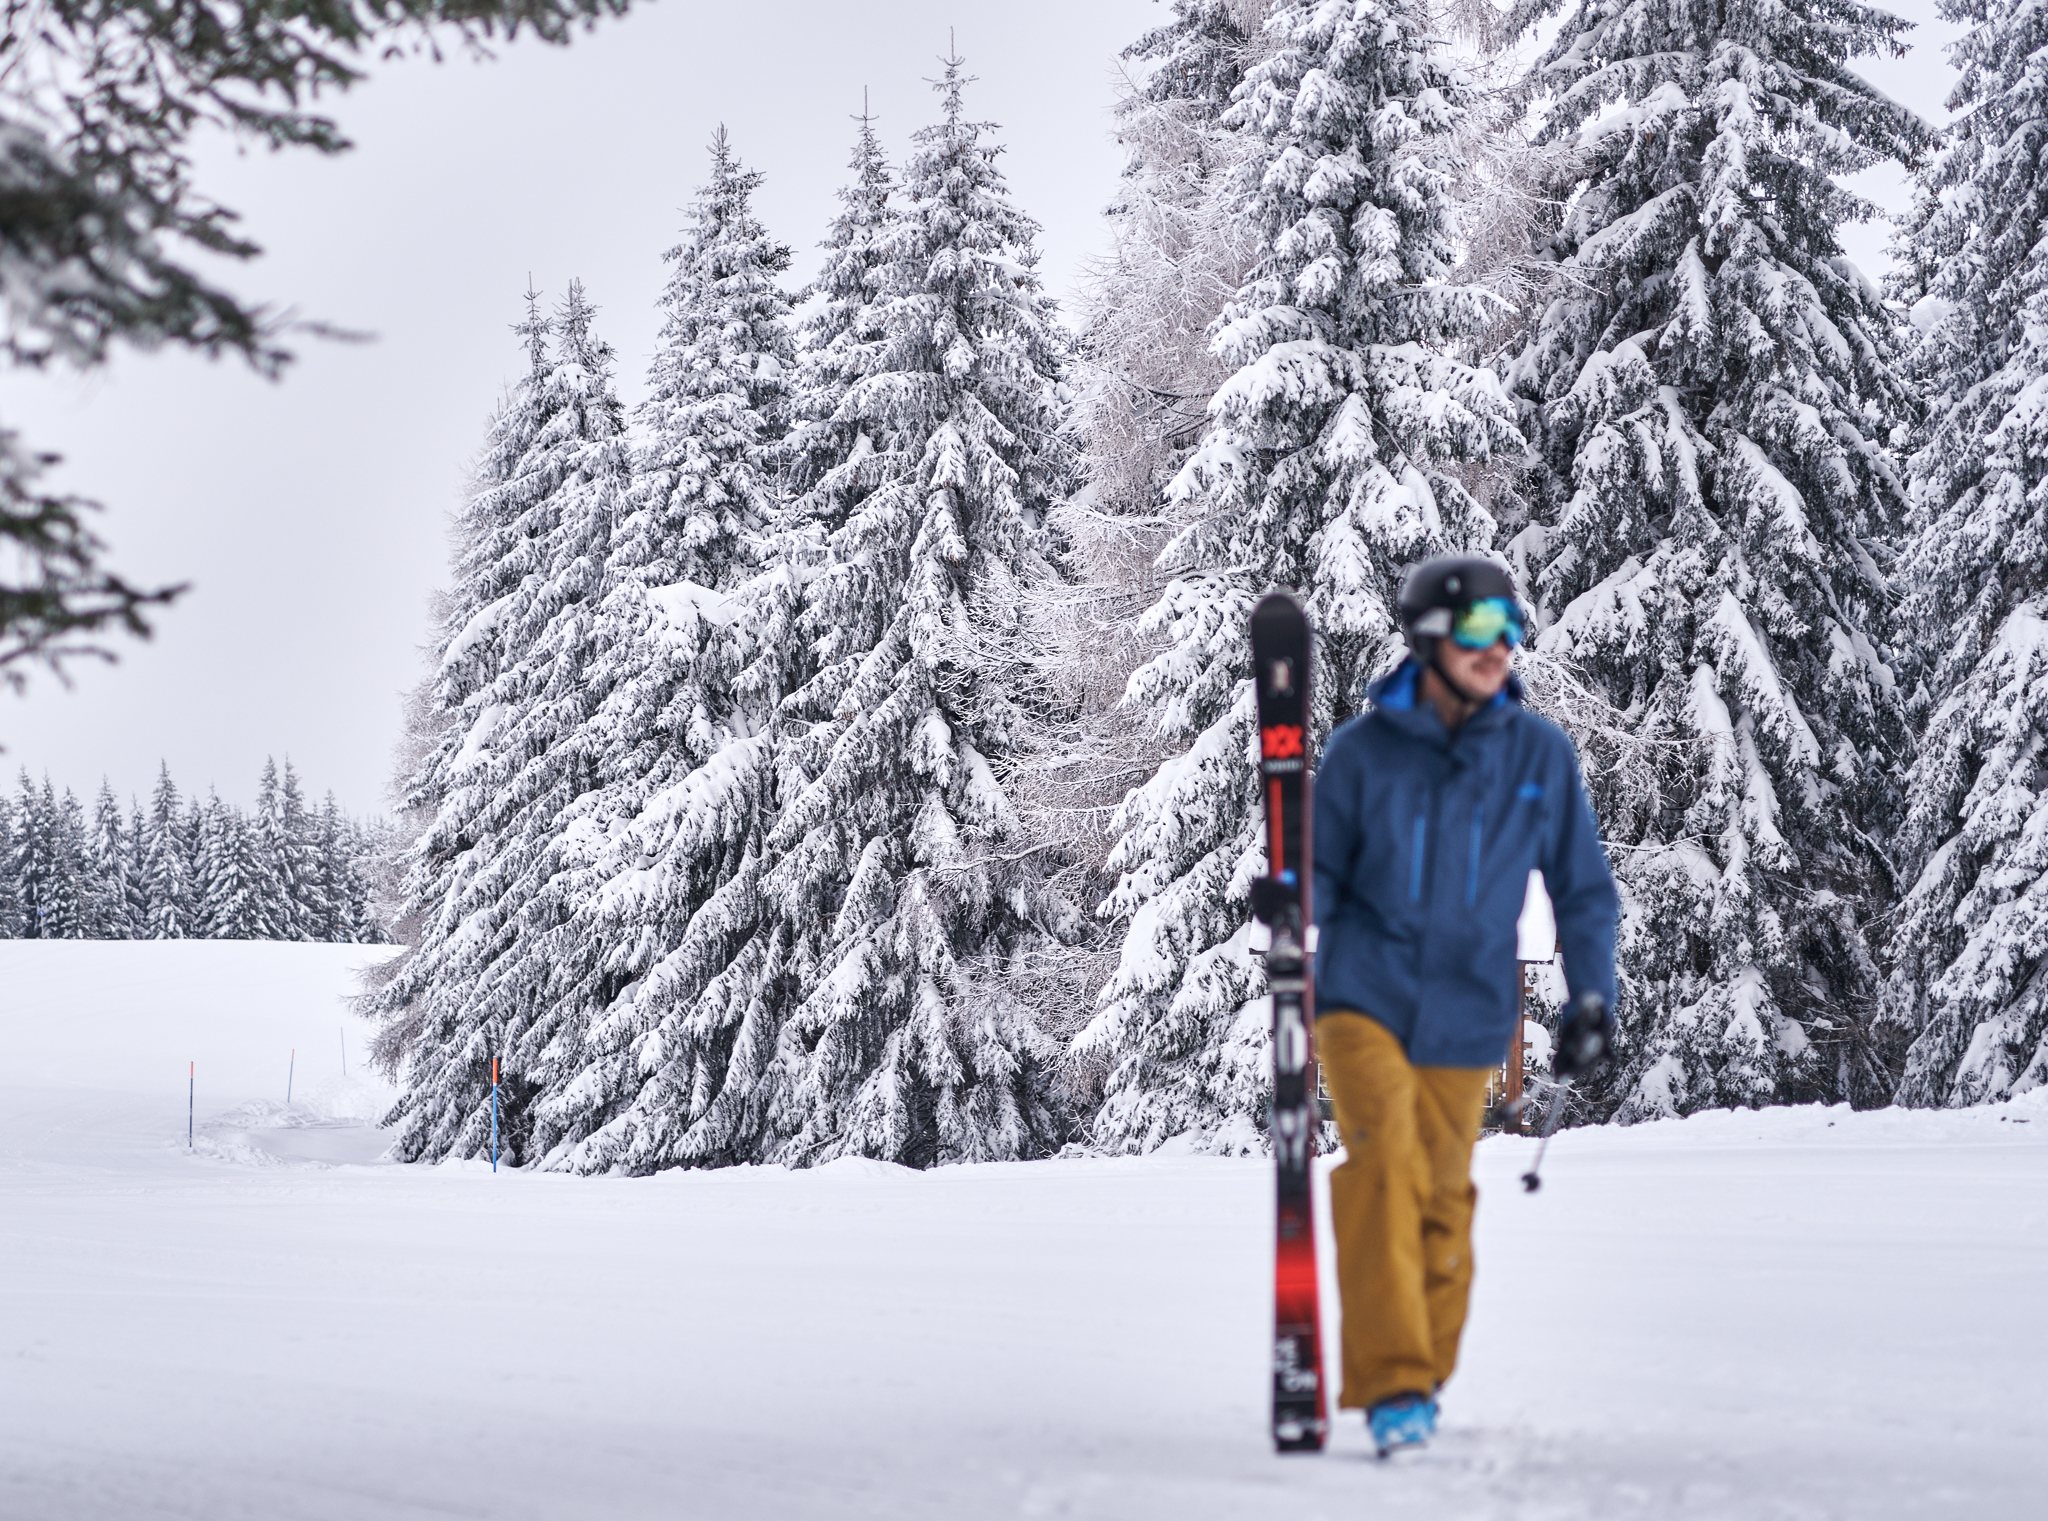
x=1393, y=698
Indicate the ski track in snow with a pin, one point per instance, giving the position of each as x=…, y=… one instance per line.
x=1794, y=1314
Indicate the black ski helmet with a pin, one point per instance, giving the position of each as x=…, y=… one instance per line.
x=1447, y=582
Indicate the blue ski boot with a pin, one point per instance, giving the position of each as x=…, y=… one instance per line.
x=1402, y=1422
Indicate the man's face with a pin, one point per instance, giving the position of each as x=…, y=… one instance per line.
x=1479, y=672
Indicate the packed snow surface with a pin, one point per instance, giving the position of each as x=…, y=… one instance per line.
x=1796, y=1314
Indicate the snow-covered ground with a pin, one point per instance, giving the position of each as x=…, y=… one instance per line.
x=1799, y=1314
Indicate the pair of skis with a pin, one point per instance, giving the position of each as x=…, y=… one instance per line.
x=1280, y=662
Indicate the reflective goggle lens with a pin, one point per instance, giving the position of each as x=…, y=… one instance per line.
x=1476, y=627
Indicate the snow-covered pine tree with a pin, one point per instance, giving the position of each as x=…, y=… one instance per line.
x=237, y=893
x=203, y=864
x=167, y=877
x=107, y=856
x=10, y=887
x=833, y=462
x=327, y=867
x=824, y=1000
x=1969, y=942
x=135, y=841
x=355, y=923
x=34, y=865
x=66, y=903
x=1712, y=389
x=662, y=852
x=1320, y=471
x=280, y=841
x=49, y=862
x=899, y=899
x=513, y=653
x=200, y=865
x=718, y=388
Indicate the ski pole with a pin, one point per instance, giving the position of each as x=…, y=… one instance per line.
x=1531, y=1180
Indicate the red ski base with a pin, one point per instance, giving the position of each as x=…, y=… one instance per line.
x=1300, y=1419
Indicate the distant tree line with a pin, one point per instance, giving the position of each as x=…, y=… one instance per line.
x=182, y=869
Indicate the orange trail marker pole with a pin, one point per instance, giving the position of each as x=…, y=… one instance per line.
x=494, y=1114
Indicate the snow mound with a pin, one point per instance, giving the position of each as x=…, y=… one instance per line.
x=866, y=1169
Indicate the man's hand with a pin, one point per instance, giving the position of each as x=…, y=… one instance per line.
x=1585, y=1037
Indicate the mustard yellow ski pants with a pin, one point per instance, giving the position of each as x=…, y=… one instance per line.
x=1401, y=1206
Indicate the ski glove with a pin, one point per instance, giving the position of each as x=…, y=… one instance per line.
x=1585, y=1037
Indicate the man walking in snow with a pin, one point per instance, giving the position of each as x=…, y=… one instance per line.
x=1432, y=808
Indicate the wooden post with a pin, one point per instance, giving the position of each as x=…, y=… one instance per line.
x=1513, y=1088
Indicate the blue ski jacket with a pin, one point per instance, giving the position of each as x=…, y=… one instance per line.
x=1424, y=841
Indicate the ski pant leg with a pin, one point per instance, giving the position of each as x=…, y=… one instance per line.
x=1449, y=1104
x=1376, y=1198
x=1400, y=1205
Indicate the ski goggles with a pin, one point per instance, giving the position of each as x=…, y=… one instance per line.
x=1478, y=624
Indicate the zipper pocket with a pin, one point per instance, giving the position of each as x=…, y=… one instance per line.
x=1415, y=857
x=1472, y=871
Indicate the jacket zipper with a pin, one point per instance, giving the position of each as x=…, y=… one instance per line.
x=1472, y=870
x=1415, y=857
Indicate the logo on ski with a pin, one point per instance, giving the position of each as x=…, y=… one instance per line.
x=1281, y=742
x=1281, y=748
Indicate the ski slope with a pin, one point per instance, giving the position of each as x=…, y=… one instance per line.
x=1799, y=1314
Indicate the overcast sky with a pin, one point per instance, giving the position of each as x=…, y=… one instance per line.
x=309, y=515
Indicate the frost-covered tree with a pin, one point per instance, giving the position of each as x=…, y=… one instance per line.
x=107, y=856
x=167, y=879
x=513, y=651
x=1180, y=248
x=1320, y=470
x=1969, y=942
x=658, y=851
x=1712, y=389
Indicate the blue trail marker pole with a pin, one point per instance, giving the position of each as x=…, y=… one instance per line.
x=494, y=1114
